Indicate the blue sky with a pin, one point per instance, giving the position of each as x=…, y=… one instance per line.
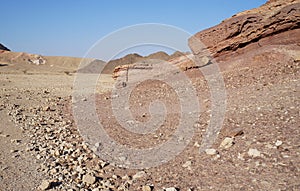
x=71, y=27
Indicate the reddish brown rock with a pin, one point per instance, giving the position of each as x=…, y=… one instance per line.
x=125, y=68
x=275, y=23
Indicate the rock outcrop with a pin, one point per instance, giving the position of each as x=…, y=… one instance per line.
x=275, y=23
x=182, y=61
x=22, y=57
x=123, y=69
x=2, y=47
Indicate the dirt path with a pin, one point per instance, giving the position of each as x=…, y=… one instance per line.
x=18, y=167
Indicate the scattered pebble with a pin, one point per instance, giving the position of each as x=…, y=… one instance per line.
x=254, y=153
x=16, y=141
x=146, y=188
x=211, y=151
x=89, y=179
x=4, y=135
x=227, y=143
x=138, y=175
x=241, y=156
x=14, y=151
x=45, y=185
x=269, y=146
x=171, y=189
x=46, y=108
x=187, y=164
x=278, y=143
x=196, y=144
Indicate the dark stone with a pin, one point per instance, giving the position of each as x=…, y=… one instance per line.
x=2, y=47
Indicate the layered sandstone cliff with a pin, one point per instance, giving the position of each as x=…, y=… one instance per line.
x=275, y=23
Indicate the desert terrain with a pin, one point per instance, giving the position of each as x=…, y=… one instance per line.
x=257, y=53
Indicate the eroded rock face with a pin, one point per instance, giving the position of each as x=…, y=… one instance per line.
x=275, y=23
x=123, y=69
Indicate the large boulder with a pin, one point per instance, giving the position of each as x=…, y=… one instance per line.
x=275, y=23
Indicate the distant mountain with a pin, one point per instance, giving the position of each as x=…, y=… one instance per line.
x=22, y=62
x=128, y=59
x=92, y=67
x=2, y=47
x=132, y=58
x=158, y=55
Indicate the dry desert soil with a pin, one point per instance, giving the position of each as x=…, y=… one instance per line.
x=250, y=86
x=42, y=148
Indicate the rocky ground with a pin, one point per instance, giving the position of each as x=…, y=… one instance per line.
x=40, y=141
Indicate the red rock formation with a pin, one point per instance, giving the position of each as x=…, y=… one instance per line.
x=275, y=23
